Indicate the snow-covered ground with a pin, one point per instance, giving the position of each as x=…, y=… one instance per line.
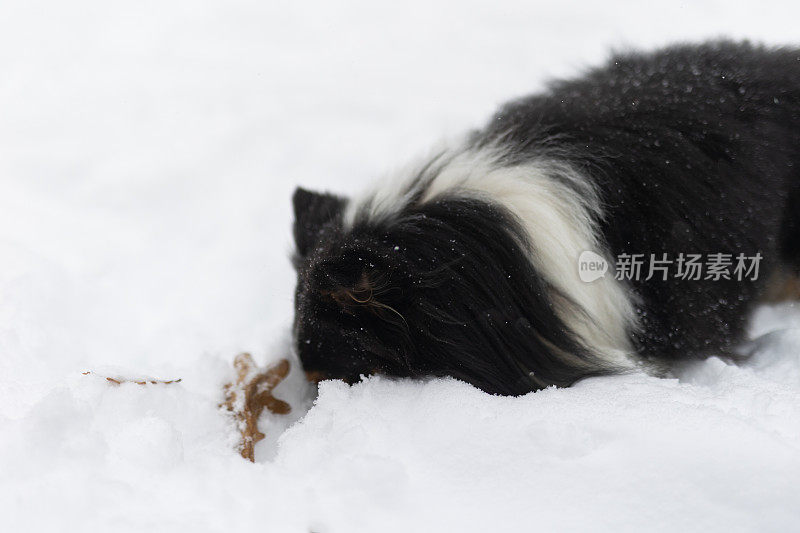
x=148, y=151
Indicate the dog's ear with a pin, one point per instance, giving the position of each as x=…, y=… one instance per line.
x=312, y=210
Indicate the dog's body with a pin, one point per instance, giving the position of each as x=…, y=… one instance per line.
x=468, y=265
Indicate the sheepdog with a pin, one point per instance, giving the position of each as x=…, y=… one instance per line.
x=625, y=219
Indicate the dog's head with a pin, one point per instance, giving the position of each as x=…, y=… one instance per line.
x=353, y=294
x=441, y=288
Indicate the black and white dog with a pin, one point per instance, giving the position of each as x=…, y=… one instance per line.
x=468, y=266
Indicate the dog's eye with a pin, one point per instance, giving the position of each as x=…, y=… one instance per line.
x=361, y=293
x=346, y=297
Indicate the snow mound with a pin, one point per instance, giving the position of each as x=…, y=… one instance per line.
x=717, y=449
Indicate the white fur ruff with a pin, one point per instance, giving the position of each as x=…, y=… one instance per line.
x=557, y=207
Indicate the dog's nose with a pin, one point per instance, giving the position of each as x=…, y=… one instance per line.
x=314, y=376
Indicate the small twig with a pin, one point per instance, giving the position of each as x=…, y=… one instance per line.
x=120, y=381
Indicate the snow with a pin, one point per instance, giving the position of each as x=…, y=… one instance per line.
x=148, y=152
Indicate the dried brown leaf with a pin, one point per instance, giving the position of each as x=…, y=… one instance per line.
x=251, y=393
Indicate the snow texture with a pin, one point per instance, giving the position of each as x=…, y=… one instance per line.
x=148, y=151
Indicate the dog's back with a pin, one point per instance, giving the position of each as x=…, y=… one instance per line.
x=696, y=150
